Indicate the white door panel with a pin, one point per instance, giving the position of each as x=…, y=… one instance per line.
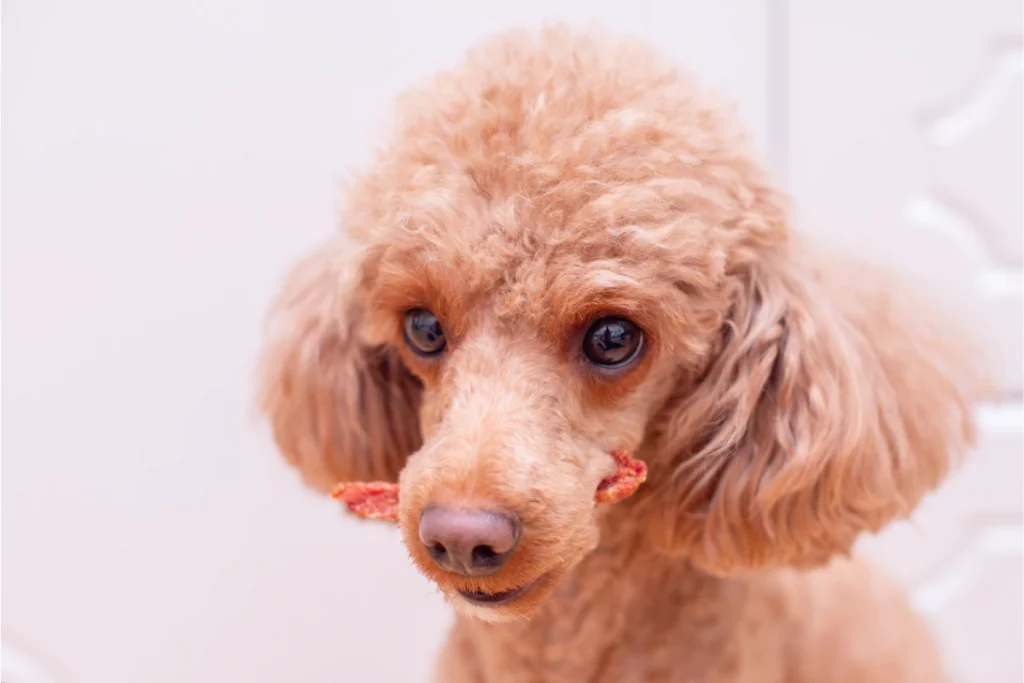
x=905, y=143
x=164, y=163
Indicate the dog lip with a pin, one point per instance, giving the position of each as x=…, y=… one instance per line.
x=493, y=599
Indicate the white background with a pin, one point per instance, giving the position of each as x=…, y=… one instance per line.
x=165, y=162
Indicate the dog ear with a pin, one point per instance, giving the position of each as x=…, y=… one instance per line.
x=826, y=412
x=341, y=408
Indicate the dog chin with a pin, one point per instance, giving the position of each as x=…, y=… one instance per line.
x=491, y=615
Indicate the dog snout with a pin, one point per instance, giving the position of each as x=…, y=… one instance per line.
x=468, y=541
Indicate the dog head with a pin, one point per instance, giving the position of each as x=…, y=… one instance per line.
x=566, y=250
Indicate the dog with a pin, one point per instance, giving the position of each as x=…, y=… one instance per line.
x=567, y=249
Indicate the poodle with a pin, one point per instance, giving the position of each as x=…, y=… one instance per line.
x=567, y=250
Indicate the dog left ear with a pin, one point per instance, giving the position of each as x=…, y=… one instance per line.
x=342, y=408
x=827, y=411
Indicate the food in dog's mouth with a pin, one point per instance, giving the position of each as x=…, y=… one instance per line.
x=624, y=482
x=379, y=499
x=371, y=499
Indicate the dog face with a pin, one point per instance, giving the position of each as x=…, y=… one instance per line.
x=548, y=255
x=565, y=251
x=536, y=363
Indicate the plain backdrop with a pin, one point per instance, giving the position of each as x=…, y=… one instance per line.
x=165, y=161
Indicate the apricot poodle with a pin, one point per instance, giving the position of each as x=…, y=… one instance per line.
x=566, y=249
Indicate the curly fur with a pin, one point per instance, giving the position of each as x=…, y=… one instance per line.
x=785, y=402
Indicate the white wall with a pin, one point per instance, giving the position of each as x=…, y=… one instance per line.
x=164, y=162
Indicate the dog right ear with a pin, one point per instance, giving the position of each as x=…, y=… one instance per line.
x=341, y=408
x=831, y=409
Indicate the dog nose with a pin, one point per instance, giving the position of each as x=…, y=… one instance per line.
x=469, y=542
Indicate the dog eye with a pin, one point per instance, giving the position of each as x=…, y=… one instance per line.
x=423, y=332
x=612, y=342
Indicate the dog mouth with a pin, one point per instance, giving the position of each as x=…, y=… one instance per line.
x=495, y=599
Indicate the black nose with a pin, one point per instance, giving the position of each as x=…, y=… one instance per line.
x=469, y=542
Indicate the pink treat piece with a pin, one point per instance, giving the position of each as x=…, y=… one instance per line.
x=624, y=482
x=372, y=499
x=379, y=499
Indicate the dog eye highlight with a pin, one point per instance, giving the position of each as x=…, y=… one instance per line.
x=613, y=342
x=423, y=332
